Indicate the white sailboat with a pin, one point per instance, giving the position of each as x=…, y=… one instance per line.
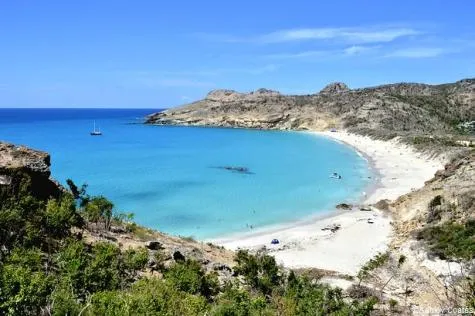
x=96, y=132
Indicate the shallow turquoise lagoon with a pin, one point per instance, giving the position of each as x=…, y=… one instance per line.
x=173, y=178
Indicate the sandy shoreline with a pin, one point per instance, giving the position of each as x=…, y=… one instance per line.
x=361, y=234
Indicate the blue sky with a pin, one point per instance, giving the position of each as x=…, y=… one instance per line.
x=164, y=53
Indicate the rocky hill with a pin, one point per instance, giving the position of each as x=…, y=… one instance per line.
x=388, y=109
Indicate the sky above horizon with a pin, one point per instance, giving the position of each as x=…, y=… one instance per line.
x=158, y=54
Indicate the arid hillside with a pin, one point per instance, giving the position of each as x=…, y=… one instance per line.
x=385, y=110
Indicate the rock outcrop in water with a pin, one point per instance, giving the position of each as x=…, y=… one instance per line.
x=236, y=169
x=385, y=110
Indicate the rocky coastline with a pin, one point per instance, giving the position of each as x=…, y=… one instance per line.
x=403, y=109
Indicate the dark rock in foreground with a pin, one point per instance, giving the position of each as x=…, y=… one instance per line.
x=154, y=245
x=18, y=163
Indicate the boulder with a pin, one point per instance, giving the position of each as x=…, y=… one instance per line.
x=221, y=267
x=344, y=206
x=154, y=245
x=178, y=256
x=118, y=230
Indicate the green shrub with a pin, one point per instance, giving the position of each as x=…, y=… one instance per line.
x=379, y=260
x=188, y=276
x=451, y=240
x=135, y=259
x=147, y=297
x=63, y=301
x=260, y=271
x=61, y=216
x=23, y=291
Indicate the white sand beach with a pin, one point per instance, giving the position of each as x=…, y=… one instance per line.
x=361, y=234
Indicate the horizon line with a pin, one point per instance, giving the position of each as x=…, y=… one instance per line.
x=77, y=108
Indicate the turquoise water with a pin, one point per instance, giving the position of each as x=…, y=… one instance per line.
x=170, y=176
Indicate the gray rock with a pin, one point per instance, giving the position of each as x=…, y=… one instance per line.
x=118, y=230
x=5, y=180
x=221, y=267
x=344, y=206
x=154, y=245
x=20, y=157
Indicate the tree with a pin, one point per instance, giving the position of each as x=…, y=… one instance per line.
x=99, y=208
x=61, y=216
x=79, y=194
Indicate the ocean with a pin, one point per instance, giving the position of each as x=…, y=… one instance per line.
x=181, y=180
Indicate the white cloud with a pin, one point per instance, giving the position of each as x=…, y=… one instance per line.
x=321, y=54
x=356, y=35
x=353, y=35
x=358, y=50
x=300, y=55
x=417, y=52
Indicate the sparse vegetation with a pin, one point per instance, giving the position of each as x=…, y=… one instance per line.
x=188, y=238
x=379, y=260
x=392, y=304
x=387, y=111
x=450, y=240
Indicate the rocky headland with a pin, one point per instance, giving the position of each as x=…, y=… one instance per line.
x=387, y=110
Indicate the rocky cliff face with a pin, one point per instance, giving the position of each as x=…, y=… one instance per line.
x=455, y=189
x=18, y=163
x=395, y=108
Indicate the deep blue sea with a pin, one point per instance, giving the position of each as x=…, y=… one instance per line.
x=170, y=177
